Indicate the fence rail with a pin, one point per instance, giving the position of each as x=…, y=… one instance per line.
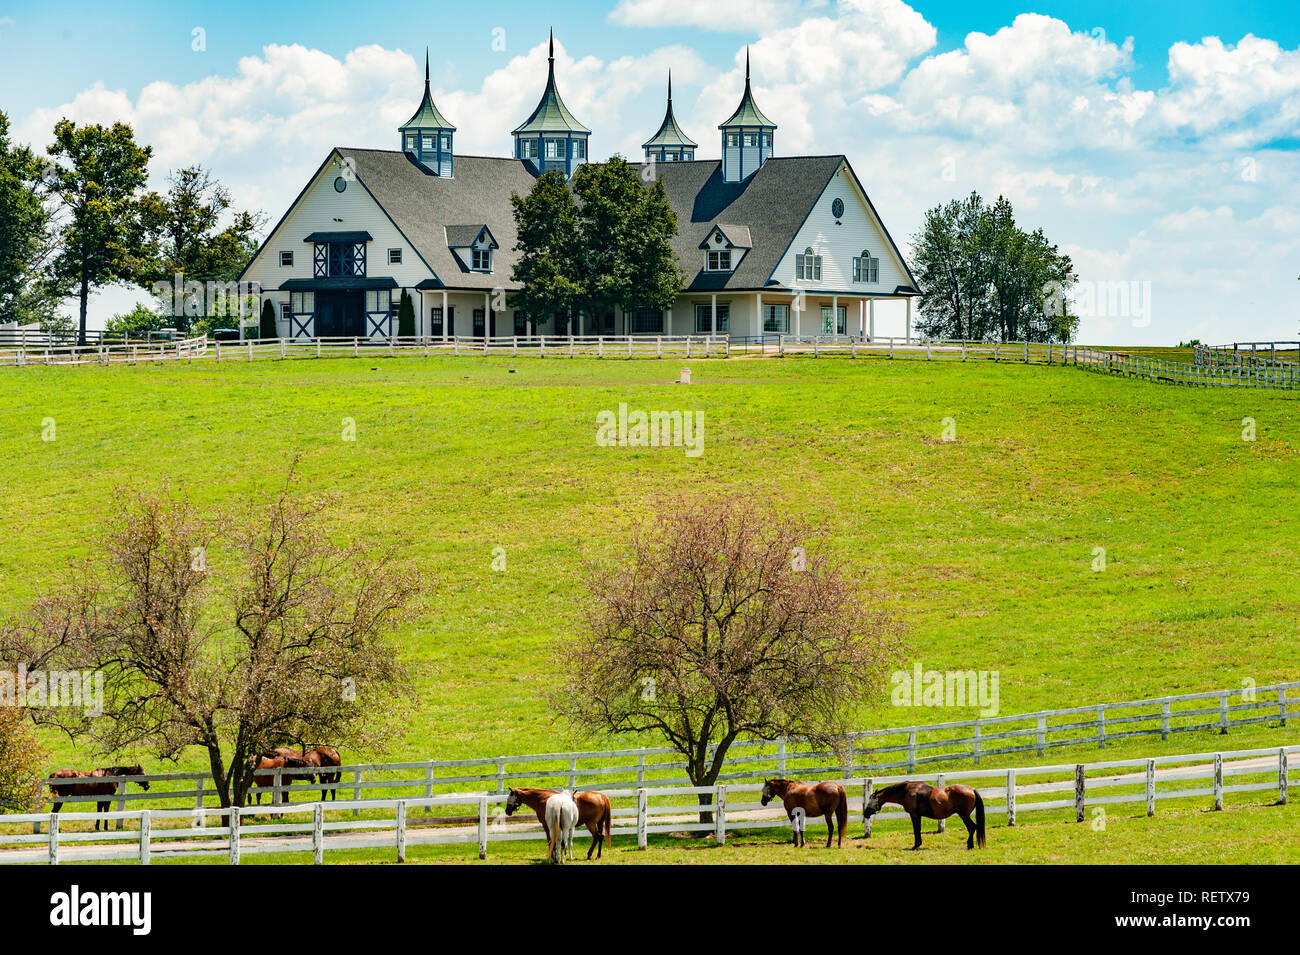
x=126, y=353
x=868, y=752
x=637, y=811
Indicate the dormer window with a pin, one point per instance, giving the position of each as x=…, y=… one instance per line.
x=808, y=266
x=579, y=149
x=481, y=260
x=719, y=260
x=410, y=142
x=553, y=150
x=865, y=268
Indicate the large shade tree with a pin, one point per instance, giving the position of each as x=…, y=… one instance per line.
x=98, y=177
x=28, y=240
x=724, y=623
x=984, y=278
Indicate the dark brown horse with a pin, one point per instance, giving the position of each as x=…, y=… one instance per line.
x=97, y=782
x=263, y=767
x=329, y=760
x=594, y=812
x=921, y=800
x=802, y=800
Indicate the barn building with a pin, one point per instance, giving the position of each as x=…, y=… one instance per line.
x=769, y=244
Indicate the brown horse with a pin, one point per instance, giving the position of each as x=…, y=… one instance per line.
x=921, y=800
x=594, y=812
x=97, y=782
x=802, y=800
x=329, y=760
x=261, y=779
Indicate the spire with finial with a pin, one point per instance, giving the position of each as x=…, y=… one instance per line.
x=670, y=143
x=428, y=135
x=746, y=136
x=551, y=137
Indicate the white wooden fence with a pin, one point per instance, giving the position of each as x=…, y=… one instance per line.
x=104, y=353
x=640, y=812
x=868, y=752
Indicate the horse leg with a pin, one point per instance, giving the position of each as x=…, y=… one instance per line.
x=916, y=830
x=101, y=807
x=830, y=828
x=594, y=829
x=970, y=830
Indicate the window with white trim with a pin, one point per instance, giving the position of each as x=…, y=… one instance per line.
x=834, y=321
x=286, y=259
x=394, y=256
x=808, y=266
x=480, y=260
x=865, y=268
x=776, y=318
x=579, y=149
x=704, y=317
x=554, y=149
x=528, y=149
x=719, y=260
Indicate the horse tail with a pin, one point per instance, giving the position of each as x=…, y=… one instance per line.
x=608, y=822
x=842, y=811
x=979, y=819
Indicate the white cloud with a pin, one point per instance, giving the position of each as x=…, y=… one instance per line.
x=725, y=16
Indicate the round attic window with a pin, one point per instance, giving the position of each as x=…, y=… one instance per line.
x=837, y=208
x=340, y=184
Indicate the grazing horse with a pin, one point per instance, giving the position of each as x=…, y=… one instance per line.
x=594, y=812
x=97, y=783
x=269, y=762
x=561, y=817
x=932, y=802
x=819, y=799
x=309, y=757
x=329, y=760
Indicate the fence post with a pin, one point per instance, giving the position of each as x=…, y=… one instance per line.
x=145, y=824
x=318, y=833
x=640, y=768
x=573, y=770
x=720, y=815
x=1011, y=797
x=1101, y=727
x=1164, y=720
x=121, y=805
x=501, y=774
x=1151, y=787
x=1079, y=782
x=401, y=833
x=780, y=757
x=1218, y=781
x=1223, y=715
x=356, y=790
x=200, y=817
x=1281, y=705
x=848, y=752
x=866, y=794
x=482, y=827
x=978, y=732
x=1042, y=734
x=1282, y=771
x=642, y=801
x=911, y=751
x=943, y=823
x=54, y=839
x=233, y=815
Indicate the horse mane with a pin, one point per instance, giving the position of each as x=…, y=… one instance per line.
x=891, y=789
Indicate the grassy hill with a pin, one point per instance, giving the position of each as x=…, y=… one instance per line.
x=984, y=545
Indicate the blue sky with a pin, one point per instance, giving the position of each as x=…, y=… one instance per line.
x=1156, y=142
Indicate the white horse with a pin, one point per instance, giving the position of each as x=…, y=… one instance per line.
x=561, y=818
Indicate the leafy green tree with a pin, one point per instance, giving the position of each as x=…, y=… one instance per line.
x=547, y=267
x=983, y=278
x=603, y=245
x=405, y=316
x=97, y=178
x=268, y=328
x=186, y=224
x=625, y=229
x=136, y=322
x=27, y=236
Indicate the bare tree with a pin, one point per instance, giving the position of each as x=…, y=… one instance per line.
x=722, y=625
x=293, y=643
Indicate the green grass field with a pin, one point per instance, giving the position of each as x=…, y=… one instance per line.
x=985, y=545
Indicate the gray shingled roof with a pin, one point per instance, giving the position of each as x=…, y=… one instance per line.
x=770, y=205
x=424, y=205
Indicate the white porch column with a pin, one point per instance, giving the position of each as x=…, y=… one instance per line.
x=446, y=320
x=487, y=314
x=713, y=324
x=798, y=312
x=862, y=318
x=909, y=319
x=758, y=296
x=835, y=316
x=871, y=308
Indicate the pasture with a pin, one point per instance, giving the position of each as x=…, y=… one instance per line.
x=985, y=544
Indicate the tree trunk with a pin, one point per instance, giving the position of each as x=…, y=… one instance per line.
x=219, y=777
x=85, y=295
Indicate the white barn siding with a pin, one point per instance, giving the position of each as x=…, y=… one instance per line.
x=839, y=244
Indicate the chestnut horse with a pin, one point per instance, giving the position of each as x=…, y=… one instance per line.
x=810, y=799
x=263, y=767
x=932, y=802
x=326, y=757
x=594, y=812
x=96, y=783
